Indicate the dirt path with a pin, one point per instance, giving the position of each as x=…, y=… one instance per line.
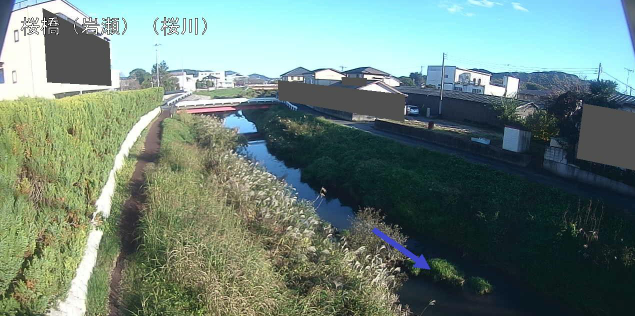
x=132, y=210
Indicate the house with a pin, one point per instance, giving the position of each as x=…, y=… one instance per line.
x=364, y=85
x=371, y=73
x=472, y=81
x=323, y=76
x=296, y=74
x=625, y=102
x=462, y=106
x=38, y=64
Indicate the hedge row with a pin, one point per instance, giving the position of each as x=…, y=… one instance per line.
x=55, y=156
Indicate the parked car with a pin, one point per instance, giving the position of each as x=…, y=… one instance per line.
x=412, y=110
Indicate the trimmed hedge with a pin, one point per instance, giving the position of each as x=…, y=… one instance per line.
x=55, y=156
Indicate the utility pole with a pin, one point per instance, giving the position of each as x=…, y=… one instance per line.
x=599, y=71
x=442, y=85
x=342, y=67
x=156, y=56
x=628, y=77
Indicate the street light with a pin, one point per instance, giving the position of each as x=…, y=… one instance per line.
x=156, y=49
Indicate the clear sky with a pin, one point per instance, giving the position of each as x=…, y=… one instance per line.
x=397, y=36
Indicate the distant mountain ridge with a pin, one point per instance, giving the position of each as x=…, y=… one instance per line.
x=259, y=76
x=543, y=80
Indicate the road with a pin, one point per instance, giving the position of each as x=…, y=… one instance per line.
x=624, y=202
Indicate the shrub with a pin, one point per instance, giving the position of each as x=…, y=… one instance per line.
x=55, y=156
x=479, y=285
x=443, y=271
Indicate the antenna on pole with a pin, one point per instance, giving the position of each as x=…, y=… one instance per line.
x=342, y=67
x=628, y=77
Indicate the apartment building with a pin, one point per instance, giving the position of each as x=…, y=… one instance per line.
x=471, y=81
x=33, y=64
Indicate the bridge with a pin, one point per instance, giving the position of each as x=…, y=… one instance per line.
x=228, y=105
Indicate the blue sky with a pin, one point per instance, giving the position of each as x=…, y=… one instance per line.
x=398, y=36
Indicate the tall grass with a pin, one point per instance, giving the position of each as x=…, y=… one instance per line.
x=55, y=156
x=224, y=237
x=567, y=246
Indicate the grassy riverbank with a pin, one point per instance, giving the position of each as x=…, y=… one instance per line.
x=565, y=246
x=55, y=156
x=221, y=236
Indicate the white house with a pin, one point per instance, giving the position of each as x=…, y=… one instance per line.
x=23, y=68
x=323, y=76
x=471, y=81
x=371, y=73
x=296, y=74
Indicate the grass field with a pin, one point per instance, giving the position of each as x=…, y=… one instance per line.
x=229, y=93
x=221, y=236
x=569, y=247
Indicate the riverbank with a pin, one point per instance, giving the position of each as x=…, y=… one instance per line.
x=222, y=236
x=565, y=246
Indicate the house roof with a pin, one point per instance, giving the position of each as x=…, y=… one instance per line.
x=367, y=70
x=474, y=97
x=295, y=72
x=320, y=69
x=374, y=82
x=623, y=99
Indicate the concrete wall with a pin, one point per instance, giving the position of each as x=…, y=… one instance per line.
x=454, y=142
x=573, y=172
x=27, y=57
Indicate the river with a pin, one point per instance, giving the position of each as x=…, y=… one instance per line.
x=510, y=297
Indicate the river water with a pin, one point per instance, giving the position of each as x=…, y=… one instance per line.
x=509, y=297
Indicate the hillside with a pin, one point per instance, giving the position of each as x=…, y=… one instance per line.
x=547, y=80
x=259, y=76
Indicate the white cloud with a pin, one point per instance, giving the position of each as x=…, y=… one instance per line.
x=454, y=8
x=470, y=14
x=482, y=3
x=519, y=7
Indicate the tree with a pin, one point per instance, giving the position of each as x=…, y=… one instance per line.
x=567, y=110
x=407, y=81
x=506, y=111
x=166, y=80
x=139, y=74
x=418, y=78
x=534, y=86
x=542, y=125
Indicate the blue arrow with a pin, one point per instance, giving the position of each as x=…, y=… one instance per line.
x=420, y=262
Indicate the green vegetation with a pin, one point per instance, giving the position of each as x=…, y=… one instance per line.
x=55, y=156
x=221, y=236
x=479, y=285
x=443, y=271
x=229, y=93
x=569, y=247
x=110, y=245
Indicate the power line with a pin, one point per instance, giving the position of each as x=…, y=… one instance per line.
x=606, y=73
x=525, y=68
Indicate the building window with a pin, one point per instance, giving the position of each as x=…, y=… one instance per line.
x=14, y=76
x=476, y=90
x=446, y=76
x=479, y=81
x=16, y=35
x=1, y=75
x=458, y=88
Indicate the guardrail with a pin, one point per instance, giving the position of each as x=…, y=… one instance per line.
x=177, y=99
x=291, y=106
